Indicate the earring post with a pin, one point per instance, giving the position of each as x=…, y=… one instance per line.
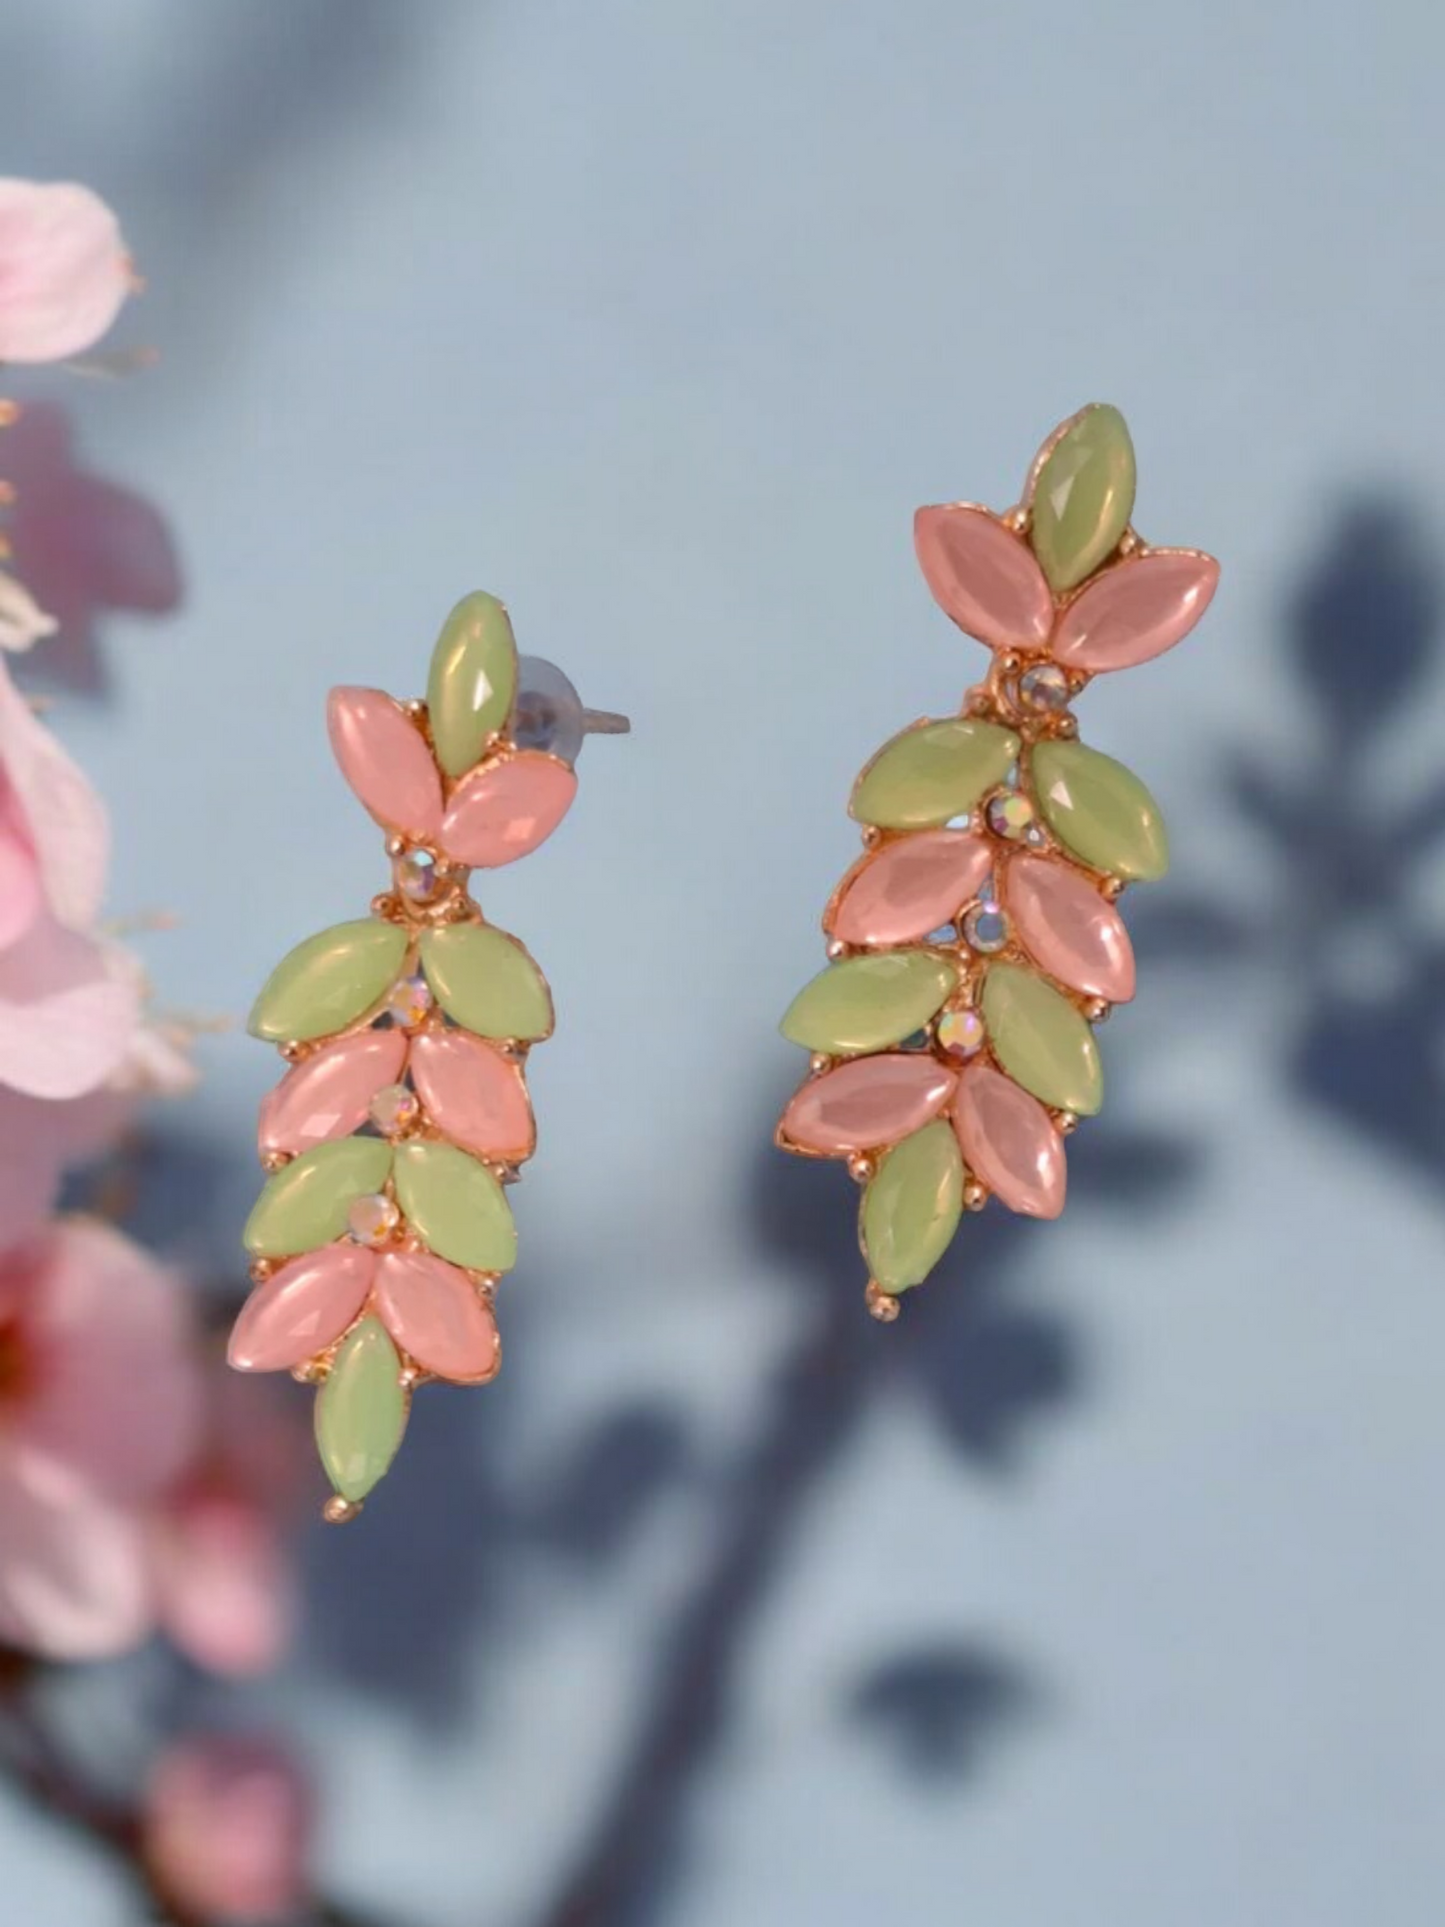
x=605, y=722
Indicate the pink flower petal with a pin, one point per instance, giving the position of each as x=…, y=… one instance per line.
x=328, y=1094
x=302, y=1308
x=1069, y=927
x=67, y=1018
x=436, y=1313
x=65, y=818
x=869, y=1103
x=63, y=270
x=502, y=811
x=224, y=1588
x=116, y=1394
x=385, y=759
x=1010, y=1142
x=20, y=892
x=1136, y=610
x=74, y=1573
x=984, y=576
x=909, y=887
x=473, y=1094
x=227, y=1830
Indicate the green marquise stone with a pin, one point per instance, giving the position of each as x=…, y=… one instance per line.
x=1041, y=1040
x=931, y=773
x=486, y=982
x=912, y=1206
x=866, y=1003
x=305, y=1203
x=1083, y=497
x=456, y=1206
x=328, y=981
x=361, y=1411
x=1100, y=811
x=472, y=681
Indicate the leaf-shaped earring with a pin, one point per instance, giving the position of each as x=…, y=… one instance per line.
x=977, y=942
x=383, y=1226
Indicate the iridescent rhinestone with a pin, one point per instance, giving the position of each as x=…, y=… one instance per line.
x=1045, y=687
x=986, y=928
x=372, y=1219
x=416, y=875
x=1010, y=814
x=393, y=1108
x=410, y=1002
x=960, y=1032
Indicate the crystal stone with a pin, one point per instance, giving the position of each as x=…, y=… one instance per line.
x=986, y=928
x=393, y=1109
x=1011, y=815
x=416, y=875
x=372, y=1219
x=410, y=1002
x=960, y=1033
x=1045, y=687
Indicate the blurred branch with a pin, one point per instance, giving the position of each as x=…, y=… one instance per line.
x=31, y=1762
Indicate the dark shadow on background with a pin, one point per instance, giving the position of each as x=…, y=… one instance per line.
x=420, y=1604
x=1365, y=972
x=989, y=1370
x=939, y=1709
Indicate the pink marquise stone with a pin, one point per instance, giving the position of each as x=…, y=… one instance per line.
x=1069, y=928
x=1136, y=610
x=504, y=810
x=301, y=1309
x=435, y=1313
x=386, y=760
x=328, y=1094
x=910, y=887
x=984, y=576
x=1010, y=1143
x=865, y=1105
x=473, y=1094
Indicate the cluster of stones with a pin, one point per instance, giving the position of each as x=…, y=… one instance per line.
x=977, y=942
x=383, y=1225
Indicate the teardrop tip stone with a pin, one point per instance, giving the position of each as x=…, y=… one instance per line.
x=1083, y=496
x=361, y=1412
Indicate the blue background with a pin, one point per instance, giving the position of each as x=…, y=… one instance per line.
x=1107, y=1587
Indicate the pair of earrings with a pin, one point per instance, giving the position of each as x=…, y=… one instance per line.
x=972, y=950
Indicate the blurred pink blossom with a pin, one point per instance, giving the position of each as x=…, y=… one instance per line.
x=227, y=1829
x=83, y=544
x=75, y=1048
x=100, y=1399
x=64, y=272
x=55, y=833
x=225, y=1585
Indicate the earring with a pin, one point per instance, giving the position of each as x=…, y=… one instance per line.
x=977, y=942
x=383, y=1225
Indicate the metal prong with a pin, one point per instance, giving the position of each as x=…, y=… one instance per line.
x=605, y=722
